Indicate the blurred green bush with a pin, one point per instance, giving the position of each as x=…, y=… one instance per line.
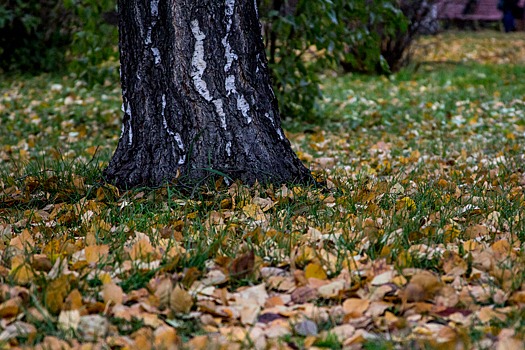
x=52, y=35
x=34, y=34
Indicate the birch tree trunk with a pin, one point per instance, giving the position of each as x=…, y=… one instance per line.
x=197, y=98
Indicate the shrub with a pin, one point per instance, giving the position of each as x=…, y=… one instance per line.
x=34, y=34
x=94, y=43
x=45, y=35
x=406, y=19
x=303, y=37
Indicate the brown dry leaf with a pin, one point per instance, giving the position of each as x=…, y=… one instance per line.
x=242, y=266
x=501, y=249
x=476, y=231
x=96, y=253
x=314, y=270
x=510, y=344
x=163, y=292
x=112, y=293
x=253, y=211
x=354, y=307
x=51, y=342
x=180, y=300
x=23, y=241
x=10, y=308
x=422, y=286
x=487, y=314
x=304, y=294
x=383, y=278
x=454, y=265
x=343, y=332
x=40, y=262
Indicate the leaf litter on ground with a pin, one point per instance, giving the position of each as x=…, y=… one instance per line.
x=416, y=241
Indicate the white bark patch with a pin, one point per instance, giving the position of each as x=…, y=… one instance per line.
x=198, y=63
x=229, y=149
x=242, y=104
x=244, y=108
x=279, y=132
x=256, y=8
x=156, y=55
x=130, y=129
x=178, y=139
x=130, y=133
x=176, y=136
x=155, y=8
x=163, y=104
x=182, y=159
x=229, y=84
x=219, y=107
x=230, y=55
x=148, y=37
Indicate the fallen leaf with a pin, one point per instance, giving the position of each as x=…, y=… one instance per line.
x=180, y=300
x=355, y=307
x=96, y=253
x=313, y=270
x=111, y=293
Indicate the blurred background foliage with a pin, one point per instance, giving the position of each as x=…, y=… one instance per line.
x=303, y=38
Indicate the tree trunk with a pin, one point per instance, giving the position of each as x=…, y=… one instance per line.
x=197, y=98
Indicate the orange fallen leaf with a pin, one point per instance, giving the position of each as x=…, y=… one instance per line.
x=141, y=249
x=96, y=253
x=166, y=338
x=355, y=307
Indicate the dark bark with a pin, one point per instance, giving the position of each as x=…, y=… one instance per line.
x=197, y=98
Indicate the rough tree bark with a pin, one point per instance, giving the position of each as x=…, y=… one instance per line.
x=197, y=98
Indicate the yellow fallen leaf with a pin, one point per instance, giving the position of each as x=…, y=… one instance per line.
x=73, y=300
x=56, y=292
x=313, y=270
x=406, y=203
x=21, y=271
